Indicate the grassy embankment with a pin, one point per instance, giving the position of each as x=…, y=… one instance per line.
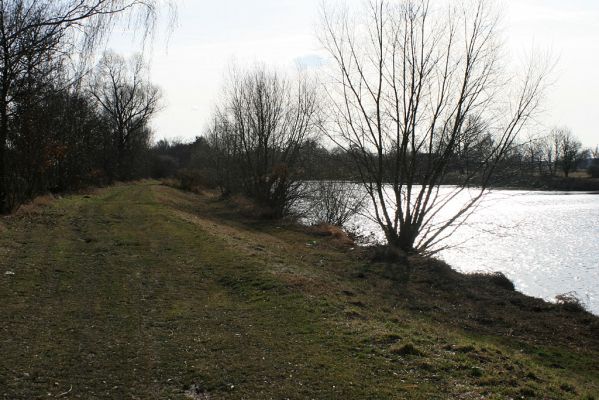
x=145, y=292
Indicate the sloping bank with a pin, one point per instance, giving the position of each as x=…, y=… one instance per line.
x=142, y=291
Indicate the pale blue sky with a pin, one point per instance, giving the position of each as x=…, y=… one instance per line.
x=212, y=34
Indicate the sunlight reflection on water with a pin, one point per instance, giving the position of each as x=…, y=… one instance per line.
x=547, y=243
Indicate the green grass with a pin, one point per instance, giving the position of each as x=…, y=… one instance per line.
x=141, y=291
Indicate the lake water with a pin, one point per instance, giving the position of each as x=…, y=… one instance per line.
x=547, y=243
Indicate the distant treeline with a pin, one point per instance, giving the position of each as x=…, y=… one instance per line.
x=535, y=164
x=175, y=158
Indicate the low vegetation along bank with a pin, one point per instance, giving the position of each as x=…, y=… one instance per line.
x=143, y=291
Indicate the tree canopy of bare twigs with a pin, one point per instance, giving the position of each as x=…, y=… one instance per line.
x=567, y=149
x=128, y=100
x=335, y=202
x=258, y=132
x=416, y=86
x=38, y=38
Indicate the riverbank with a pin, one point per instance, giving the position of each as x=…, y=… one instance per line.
x=578, y=183
x=571, y=184
x=144, y=291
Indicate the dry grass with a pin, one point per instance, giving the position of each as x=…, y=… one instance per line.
x=579, y=174
x=36, y=205
x=339, y=236
x=249, y=208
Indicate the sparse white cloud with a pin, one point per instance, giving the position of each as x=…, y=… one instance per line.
x=310, y=61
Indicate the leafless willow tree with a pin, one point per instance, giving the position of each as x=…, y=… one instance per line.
x=37, y=36
x=416, y=84
x=258, y=132
x=128, y=100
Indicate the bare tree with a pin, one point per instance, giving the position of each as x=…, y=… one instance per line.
x=594, y=166
x=567, y=149
x=411, y=79
x=562, y=151
x=259, y=131
x=534, y=154
x=554, y=149
x=128, y=100
x=335, y=202
x=35, y=31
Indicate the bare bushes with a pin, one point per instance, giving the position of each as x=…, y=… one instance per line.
x=335, y=203
x=249, y=207
x=196, y=180
x=496, y=278
x=258, y=133
x=338, y=234
x=570, y=302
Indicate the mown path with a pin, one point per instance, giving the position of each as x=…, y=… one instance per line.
x=134, y=292
x=117, y=296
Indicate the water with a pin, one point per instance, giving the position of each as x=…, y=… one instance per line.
x=547, y=243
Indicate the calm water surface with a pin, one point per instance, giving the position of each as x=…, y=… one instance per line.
x=547, y=243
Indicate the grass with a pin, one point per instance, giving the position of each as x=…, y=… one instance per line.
x=141, y=291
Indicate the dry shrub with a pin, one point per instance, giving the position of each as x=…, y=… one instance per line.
x=35, y=205
x=196, y=180
x=495, y=278
x=570, y=302
x=338, y=234
x=249, y=208
x=405, y=350
x=388, y=254
x=335, y=202
x=88, y=190
x=170, y=182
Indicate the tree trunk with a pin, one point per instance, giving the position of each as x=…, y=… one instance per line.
x=402, y=241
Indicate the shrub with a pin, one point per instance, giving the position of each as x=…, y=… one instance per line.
x=338, y=234
x=406, y=350
x=248, y=207
x=566, y=387
x=335, y=202
x=570, y=302
x=16, y=192
x=163, y=166
x=196, y=180
x=497, y=279
x=476, y=372
x=388, y=254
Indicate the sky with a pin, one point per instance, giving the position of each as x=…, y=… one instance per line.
x=191, y=63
